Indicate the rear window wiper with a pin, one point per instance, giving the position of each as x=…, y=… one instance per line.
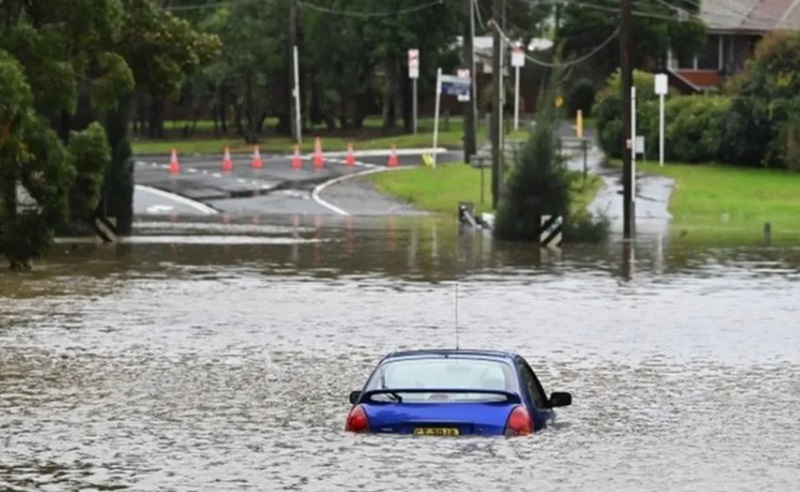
x=397, y=397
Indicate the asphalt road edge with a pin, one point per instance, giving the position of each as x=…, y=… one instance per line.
x=199, y=206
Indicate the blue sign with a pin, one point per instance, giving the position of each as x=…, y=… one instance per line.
x=455, y=86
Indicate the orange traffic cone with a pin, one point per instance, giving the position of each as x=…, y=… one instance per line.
x=174, y=165
x=257, y=162
x=351, y=159
x=392, y=162
x=318, y=162
x=297, y=163
x=227, y=163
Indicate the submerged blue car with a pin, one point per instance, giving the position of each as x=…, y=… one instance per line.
x=453, y=393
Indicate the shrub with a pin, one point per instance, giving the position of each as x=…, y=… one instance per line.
x=693, y=126
x=539, y=185
x=760, y=122
x=607, y=111
x=536, y=185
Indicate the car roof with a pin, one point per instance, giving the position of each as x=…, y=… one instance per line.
x=428, y=353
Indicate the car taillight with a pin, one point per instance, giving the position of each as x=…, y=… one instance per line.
x=519, y=422
x=357, y=420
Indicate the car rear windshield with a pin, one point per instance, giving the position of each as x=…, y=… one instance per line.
x=444, y=373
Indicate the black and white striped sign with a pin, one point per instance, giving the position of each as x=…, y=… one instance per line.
x=550, y=231
x=106, y=228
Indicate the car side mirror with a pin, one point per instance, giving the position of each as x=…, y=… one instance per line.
x=560, y=399
x=354, y=396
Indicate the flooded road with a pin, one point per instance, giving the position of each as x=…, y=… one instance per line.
x=225, y=363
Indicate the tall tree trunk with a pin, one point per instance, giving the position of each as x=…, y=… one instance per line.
x=117, y=192
x=156, y=120
x=387, y=112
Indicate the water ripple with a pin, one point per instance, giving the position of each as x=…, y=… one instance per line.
x=151, y=373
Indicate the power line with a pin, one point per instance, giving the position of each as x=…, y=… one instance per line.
x=221, y=3
x=564, y=64
x=365, y=15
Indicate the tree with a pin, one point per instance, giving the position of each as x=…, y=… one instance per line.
x=657, y=27
x=65, y=68
x=354, y=59
x=163, y=51
x=33, y=163
x=762, y=125
x=538, y=184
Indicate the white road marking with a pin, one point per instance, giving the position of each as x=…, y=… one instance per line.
x=157, y=209
x=200, y=207
x=319, y=189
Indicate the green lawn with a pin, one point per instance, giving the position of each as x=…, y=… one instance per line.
x=731, y=202
x=440, y=189
x=370, y=138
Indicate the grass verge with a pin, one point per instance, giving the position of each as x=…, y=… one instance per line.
x=440, y=189
x=730, y=204
x=372, y=137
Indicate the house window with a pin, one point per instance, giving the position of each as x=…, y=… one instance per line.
x=708, y=58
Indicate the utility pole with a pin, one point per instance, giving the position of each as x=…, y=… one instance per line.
x=469, y=62
x=293, y=110
x=626, y=79
x=497, y=110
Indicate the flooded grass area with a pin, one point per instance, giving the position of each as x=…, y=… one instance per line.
x=729, y=204
x=211, y=365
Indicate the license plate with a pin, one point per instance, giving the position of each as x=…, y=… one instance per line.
x=436, y=431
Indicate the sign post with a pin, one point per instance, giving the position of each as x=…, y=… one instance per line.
x=463, y=73
x=517, y=61
x=436, y=113
x=662, y=87
x=413, y=74
x=633, y=144
x=452, y=85
x=298, y=119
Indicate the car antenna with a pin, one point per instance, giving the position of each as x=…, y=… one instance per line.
x=456, y=314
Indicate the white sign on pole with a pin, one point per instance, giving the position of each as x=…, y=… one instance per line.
x=517, y=56
x=517, y=61
x=662, y=84
x=413, y=63
x=662, y=87
x=463, y=73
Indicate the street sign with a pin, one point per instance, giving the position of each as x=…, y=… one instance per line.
x=453, y=85
x=517, y=56
x=463, y=73
x=413, y=63
x=662, y=84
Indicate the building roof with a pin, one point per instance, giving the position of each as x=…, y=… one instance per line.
x=755, y=16
x=700, y=79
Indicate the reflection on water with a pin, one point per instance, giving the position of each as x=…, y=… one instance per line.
x=226, y=366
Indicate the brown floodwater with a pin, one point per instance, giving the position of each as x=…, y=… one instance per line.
x=220, y=357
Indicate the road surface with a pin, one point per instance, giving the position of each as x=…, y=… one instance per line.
x=152, y=201
x=277, y=188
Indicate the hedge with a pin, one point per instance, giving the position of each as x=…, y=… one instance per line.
x=693, y=124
